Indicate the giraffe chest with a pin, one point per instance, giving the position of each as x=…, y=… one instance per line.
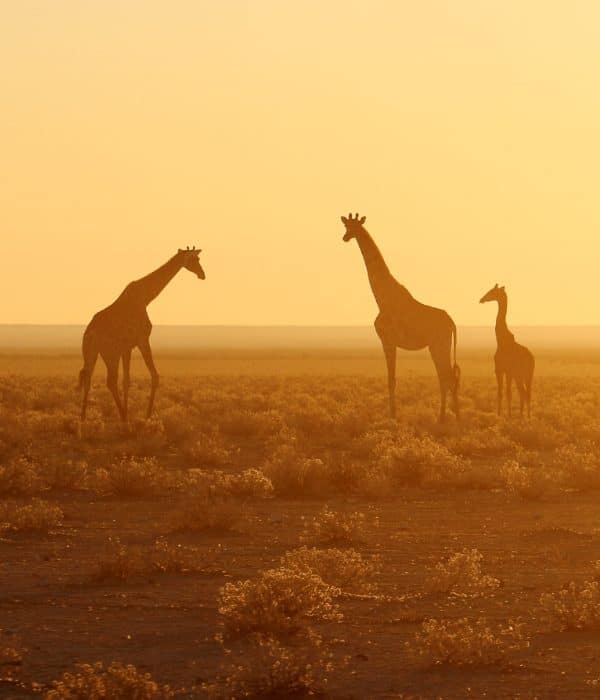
x=402, y=331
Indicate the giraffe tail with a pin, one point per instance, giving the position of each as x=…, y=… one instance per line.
x=455, y=368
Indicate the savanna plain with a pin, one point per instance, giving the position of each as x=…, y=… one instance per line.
x=270, y=532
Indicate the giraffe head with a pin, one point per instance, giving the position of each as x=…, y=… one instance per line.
x=354, y=226
x=496, y=293
x=190, y=261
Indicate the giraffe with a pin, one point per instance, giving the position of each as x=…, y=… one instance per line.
x=116, y=330
x=511, y=359
x=403, y=322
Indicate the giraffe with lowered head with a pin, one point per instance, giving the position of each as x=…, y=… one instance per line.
x=115, y=331
x=512, y=360
x=403, y=322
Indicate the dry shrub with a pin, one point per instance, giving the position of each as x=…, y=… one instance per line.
x=203, y=514
x=345, y=569
x=530, y=483
x=257, y=425
x=209, y=450
x=278, y=602
x=422, y=461
x=21, y=477
x=131, y=476
x=36, y=517
x=123, y=563
x=296, y=476
x=117, y=682
x=251, y=483
x=580, y=465
x=576, y=606
x=151, y=436
x=461, y=574
x=70, y=475
x=11, y=658
x=466, y=643
x=334, y=527
x=268, y=669
x=486, y=442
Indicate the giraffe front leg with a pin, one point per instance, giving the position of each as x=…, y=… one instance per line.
x=500, y=381
x=126, y=381
x=389, y=351
x=147, y=355
x=509, y=394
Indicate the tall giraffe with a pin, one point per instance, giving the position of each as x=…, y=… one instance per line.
x=511, y=359
x=403, y=322
x=115, y=331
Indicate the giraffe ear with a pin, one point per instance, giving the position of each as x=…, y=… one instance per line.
x=344, y=219
x=363, y=219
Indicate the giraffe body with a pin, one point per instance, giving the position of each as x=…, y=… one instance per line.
x=512, y=361
x=403, y=322
x=115, y=331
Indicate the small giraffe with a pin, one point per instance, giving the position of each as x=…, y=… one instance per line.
x=115, y=331
x=511, y=359
x=403, y=322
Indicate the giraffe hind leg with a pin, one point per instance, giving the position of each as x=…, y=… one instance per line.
x=446, y=376
x=85, y=378
x=112, y=381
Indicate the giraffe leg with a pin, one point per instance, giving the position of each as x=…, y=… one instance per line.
x=500, y=382
x=389, y=350
x=126, y=382
x=522, y=394
x=446, y=376
x=509, y=394
x=85, y=379
x=112, y=382
x=147, y=355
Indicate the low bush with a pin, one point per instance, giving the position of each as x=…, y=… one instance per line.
x=278, y=602
x=117, y=682
x=466, y=643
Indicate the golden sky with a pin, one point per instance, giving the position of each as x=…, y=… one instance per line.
x=467, y=132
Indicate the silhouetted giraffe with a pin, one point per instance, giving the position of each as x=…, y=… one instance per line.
x=511, y=359
x=124, y=325
x=403, y=322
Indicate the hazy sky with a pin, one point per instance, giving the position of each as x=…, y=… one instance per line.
x=467, y=132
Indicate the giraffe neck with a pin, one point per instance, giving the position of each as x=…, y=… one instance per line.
x=502, y=331
x=380, y=277
x=149, y=287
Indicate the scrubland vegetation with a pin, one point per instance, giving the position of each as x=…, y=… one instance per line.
x=280, y=536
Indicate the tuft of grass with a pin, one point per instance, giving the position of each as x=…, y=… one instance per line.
x=132, y=477
x=333, y=527
x=39, y=517
x=574, y=607
x=207, y=514
x=123, y=563
x=21, y=477
x=461, y=573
